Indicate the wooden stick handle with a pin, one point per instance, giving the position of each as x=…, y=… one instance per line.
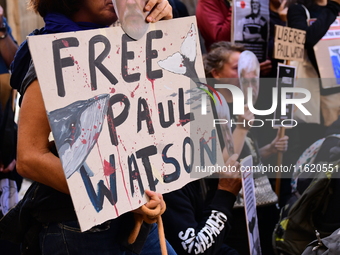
x=161, y=235
x=279, y=163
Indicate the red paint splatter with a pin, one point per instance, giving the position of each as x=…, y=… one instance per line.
x=153, y=89
x=210, y=138
x=183, y=121
x=95, y=127
x=164, y=49
x=121, y=167
x=118, y=50
x=101, y=159
x=108, y=168
x=133, y=92
x=243, y=4
x=96, y=136
x=121, y=142
x=112, y=90
x=66, y=44
x=84, y=141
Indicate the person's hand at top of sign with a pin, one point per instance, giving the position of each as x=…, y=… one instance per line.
x=280, y=7
x=160, y=9
x=265, y=67
x=230, y=180
x=282, y=10
x=134, y=15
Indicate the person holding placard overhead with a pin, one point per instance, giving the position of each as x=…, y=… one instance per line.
x=47, y=218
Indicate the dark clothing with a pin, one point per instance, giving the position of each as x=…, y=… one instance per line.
x=43, y=205
x=325, y=16
x=178, y=9
x=267, y=215
x=297, y=18
x=196, y=226
x=254, y=24
x=273, y=20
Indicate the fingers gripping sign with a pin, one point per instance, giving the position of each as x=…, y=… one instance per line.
x=135, y=15
x=150, y=213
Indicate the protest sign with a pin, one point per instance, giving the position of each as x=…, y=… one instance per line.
x=285, y=78
x=289, y=43
x=251, y=25
x=327, y=52
x=250, y=206
x=122, y=113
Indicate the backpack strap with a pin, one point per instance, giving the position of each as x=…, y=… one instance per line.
x=307, y=13
x=308, y=157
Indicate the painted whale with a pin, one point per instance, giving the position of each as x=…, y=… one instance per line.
x=76, y=129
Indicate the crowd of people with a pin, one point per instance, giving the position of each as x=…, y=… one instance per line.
x=205, y=216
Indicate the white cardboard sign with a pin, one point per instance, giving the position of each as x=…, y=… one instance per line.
x=122, y=113
x=250, y=206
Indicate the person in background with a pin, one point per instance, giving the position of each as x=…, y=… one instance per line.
x=55, y=229
x=221, y=64
x=278, y=16
x=214, y=24
x=8, y=48
x=325, y=13
x=10, y=183
x=198, y=216
x=179, y=9
x=214, y=21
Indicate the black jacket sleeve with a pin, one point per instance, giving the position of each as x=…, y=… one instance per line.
x=297, y=18
x=191, y=229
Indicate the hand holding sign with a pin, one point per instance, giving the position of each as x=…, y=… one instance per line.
x=134, y=15
x=231, y=180
x=279, y=144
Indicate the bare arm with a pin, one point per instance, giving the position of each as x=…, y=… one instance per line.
x=231, y=181
x=35, y=160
